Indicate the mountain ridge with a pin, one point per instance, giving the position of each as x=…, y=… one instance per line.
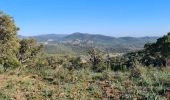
x=86, y=40
x=88, y=34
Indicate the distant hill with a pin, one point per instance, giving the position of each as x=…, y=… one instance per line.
x=20, y=36
x=79, y=42
x=97, y=37
x=54, y=37
x=86, y=36
x=111, y=41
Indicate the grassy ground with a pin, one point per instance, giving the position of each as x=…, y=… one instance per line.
x=53, y=84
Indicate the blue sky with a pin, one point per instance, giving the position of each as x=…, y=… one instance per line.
x=109, y=17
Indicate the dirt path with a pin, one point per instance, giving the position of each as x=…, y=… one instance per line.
x=107, y=91
x=3, y=78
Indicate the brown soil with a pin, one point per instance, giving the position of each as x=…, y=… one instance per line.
x=107, y=91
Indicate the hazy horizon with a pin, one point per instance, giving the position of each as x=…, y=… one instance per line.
x=87, y=33
x=118, y=18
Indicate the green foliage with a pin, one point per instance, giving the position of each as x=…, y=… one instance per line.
x=4, y=97
x=14, y=52
x=58, y=49
x=153, y=54
x=159, y=51
x=28, y=50
x=76, y=63
x=96, y=60
x=164, y=45
x=8, y=41
x=55, y=61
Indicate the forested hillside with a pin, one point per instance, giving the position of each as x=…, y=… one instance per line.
x=29, y=73
x=79, y=43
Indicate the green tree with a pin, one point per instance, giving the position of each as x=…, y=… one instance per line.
x=96, y=60
x=164, y=45
x=9, y=43
x=157, y=53
x=28, y=51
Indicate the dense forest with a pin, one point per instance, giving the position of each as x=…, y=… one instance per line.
x=29, y=72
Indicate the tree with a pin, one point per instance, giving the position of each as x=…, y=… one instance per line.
x=157, y=54
x=164, y=45
x=28, y=50
x=96, y=60
x=9, y=43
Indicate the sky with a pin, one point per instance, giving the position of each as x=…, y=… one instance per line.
x=108, y=17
